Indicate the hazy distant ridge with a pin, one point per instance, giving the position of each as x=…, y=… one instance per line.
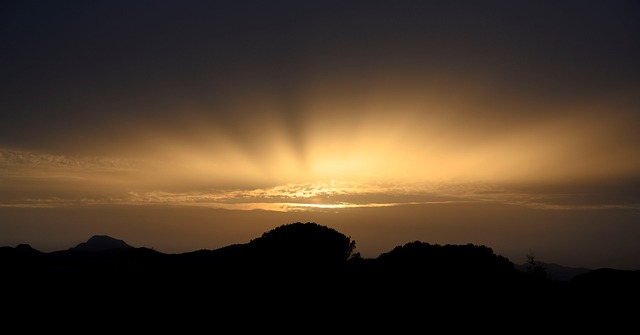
x=101, y=243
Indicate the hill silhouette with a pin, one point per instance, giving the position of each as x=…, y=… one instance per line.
x=302, y=267
x=101, y=243
x=556, y=271
x=290, y=248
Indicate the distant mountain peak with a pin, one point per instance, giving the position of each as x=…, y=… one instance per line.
x=102, y=242
x=23, y=247
x=556, y=271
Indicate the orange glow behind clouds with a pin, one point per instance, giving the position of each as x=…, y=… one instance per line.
x=391, y=144
x=411, y=146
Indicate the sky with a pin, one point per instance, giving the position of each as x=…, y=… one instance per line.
x=186, y=125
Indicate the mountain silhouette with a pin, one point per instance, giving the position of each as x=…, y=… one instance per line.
x=308, y=272
x=101, y=243
x=556, y=271
x=27, y=249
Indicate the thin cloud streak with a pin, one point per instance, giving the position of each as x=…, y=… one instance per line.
x=73, y=181
x=26, y=159
x=323, y=196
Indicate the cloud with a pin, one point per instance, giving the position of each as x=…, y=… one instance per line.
x=335, y=196
x=26, y=163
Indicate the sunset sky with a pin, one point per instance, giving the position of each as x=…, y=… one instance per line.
x=185, y=125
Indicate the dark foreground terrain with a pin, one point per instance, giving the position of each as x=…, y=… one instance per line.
x=308, y=274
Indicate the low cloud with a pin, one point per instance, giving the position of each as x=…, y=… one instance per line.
x=335, y=196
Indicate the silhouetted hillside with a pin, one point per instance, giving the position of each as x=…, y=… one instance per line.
x=556, y=271
x=304, y=242
x=612, y=281
x=101, y=242
x=445, y=261
x=303, y=266
x=27, y=249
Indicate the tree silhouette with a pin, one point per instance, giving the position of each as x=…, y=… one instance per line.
x=535, y=269
x=304, y=243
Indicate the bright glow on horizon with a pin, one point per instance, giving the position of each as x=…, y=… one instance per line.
x=512, y=125
x=345, y=158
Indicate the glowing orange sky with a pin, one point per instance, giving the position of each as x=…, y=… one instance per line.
x=342, y=112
